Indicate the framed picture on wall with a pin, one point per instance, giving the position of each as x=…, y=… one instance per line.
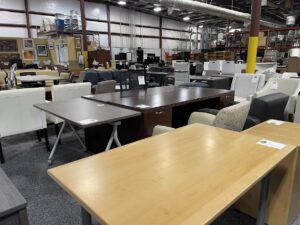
x=8, y=45
x=78, y=43
x=28, y=55
x=51, y=46
x=78, y=53
x=28, y=43
x=42, y=50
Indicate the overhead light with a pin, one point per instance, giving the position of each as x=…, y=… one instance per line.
x=201, y=26
x=186, y=18
x=157, y=9
x=122, y=2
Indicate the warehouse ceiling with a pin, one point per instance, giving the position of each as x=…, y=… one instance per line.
x=275, y=11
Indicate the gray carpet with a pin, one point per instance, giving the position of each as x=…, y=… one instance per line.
x=26, y=165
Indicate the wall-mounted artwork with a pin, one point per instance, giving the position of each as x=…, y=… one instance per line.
x=78, y=43
x=42, y=50
x=8, y=45
x=28, y=55
x=28, y=43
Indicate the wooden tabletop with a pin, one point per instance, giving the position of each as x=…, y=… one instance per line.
x=78, y=110
x=159, y=97
x=286, y=132
x=36, y=78
x=188, y=176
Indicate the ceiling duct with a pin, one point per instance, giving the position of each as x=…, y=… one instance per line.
x=208, y=9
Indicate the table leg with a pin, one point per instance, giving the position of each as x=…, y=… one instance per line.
x=86, y=217
x=114, y=136
x=77, y=136
x=56, y=143
x=263, y=200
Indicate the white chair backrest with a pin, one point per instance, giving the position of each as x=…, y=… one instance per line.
x=69, y=91
x=17, y=113
x=262, y=67
x=287, y=75
x=214, y=65
x=286, y=86
x=239, y=67
x=245, y=85
x=107, y=86
x=228, y=67
x=205, y=66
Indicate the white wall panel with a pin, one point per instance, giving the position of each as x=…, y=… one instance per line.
x=13, y=32
x=54, y=6
x=115, y=28
x=12, y=18
x=12, y=4
x=103, y=38
x=146, y=19
x=173, y=44
x=123, y=42
x=118, y=14
x=96, y=26
x=146, y=31
x=37, y=20
x=175, y=34
x=95, y=11
x=172, y=24
x=147, y=42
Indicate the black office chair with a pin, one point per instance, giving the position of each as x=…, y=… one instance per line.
x=137, y=79
x=168, y=81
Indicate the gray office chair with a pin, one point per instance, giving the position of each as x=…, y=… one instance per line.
x=106, y=87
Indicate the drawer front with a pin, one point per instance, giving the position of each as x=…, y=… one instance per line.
x=157, y=117
x=227, y=99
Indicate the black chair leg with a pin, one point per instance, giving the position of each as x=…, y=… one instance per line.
x=38, y=134
x=57, y=132
x=2, y=160
x=45, y=131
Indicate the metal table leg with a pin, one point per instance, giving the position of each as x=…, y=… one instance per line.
x=114, y=136
x=77, y=136
x=56, y=143
x=86, y=217
x=263, y=200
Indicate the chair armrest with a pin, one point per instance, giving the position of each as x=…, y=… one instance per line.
x=161, y=130
x=202, y=117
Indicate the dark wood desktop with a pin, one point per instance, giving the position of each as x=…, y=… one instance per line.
x=169, y=106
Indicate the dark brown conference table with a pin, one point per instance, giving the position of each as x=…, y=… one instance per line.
x=169, y=106
x=84, y=113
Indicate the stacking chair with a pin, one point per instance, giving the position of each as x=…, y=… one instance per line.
x=231, y=118
x=290, y=87
x=287, y=75
x=245, y=85
x=107, y=86
x=18, y=114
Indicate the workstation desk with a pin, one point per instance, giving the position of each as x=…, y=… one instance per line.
x=284, y=201
x=169, y=106
x=83, y=114
x=188, y=176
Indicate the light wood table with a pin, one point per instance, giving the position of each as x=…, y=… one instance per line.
x=284, y=197
x=187, y=176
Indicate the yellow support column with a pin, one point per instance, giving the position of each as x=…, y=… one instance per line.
x=253, y=40
x=252, y=53
x=86, y=59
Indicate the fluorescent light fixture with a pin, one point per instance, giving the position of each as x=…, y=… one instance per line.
x=186, y=18
x=122, y=2
x=157, y=9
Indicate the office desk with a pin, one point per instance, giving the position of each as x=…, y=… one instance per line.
x=188, y=176
x=83, y=113
x=284, y=198
x=38, y=78
x=169, y=106
x=213, y=81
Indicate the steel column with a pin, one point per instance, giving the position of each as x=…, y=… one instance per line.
x=253, y=39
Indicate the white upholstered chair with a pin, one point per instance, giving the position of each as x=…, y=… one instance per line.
x=287, y=75
x=67, y=92
x=245, y=85
x=18, y=114
x=107, y=86
x=290, y=87
x=231, y=118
